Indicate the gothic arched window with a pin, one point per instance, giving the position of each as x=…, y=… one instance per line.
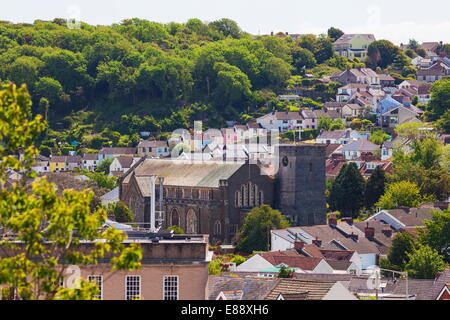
x=191, y=222
x=217, y=228
x=175, y=218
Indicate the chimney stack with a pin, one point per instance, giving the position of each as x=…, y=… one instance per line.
x=332, y=219
x=298, y=245
x=369, y=231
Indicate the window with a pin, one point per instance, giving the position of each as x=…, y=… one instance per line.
x=132, y=287
x=171, y=287
x=99, y=281
x=217, y=228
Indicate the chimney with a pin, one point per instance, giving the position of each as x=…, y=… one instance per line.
x=369, y=231
x=298, y=245
x=332, y=219
x=349, y=220
x=317, y=242
x=387, y=231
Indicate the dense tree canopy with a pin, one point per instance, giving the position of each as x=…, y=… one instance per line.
x=347, y=192
x=255, y=233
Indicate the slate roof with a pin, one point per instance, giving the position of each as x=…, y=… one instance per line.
x=332, y=147
x=412, y=217
x=345, y=38
x=58, y=159
x=187, y=173
x=341, y=265
x=336, y=134
x=316, y=290
x=332, y=238
x=125, y=162
x=90, y=156
x=153, y=144
x=294, y=260
x=362, y=145
x=118, y=151
x=253, y=288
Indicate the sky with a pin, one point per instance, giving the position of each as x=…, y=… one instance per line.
x=394, y=20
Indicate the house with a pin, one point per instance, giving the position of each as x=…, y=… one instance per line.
x=90, y=161
x=354, y=110
x=354, y=149
x=110, y=197
x=346, y=92
x=399, y=115
x=435, y=72
x=401, y=288
x=73, y=162
x=342, y=261
x=333, y=106
x=254, y=288
x=334, y=235
x=334, y=165
x=360, y=75
x=445, y=293
x=267, y=261
x=338, y=136
x=310, y=120
x=387, y=150
x=404, y=217
x=121, y=165
x=430, y=48
x=222, y=287
x=353, y=45
x=387, y=104
x=300, y=289
x=153, y=148
x=282, y=121
x=410, y=84
x=368, y=162
x=111, y=153
x=58, y=164
x=42, y=165
x=386, y=80
x=424, y=94
x=421, y=62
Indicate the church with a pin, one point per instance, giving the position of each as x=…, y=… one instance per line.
x=214, y=197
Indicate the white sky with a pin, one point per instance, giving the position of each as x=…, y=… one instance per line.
x=395, y=20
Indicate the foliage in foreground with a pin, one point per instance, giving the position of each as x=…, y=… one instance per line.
x=42, y=231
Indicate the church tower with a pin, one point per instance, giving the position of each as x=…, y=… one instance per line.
x=300, y=190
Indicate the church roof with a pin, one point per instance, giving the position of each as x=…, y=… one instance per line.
x=186, y=173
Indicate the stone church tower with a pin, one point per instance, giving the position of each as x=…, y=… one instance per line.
x=300, y=184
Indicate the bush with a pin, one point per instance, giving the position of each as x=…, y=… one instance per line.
x=238, y=259
x=121, y=212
